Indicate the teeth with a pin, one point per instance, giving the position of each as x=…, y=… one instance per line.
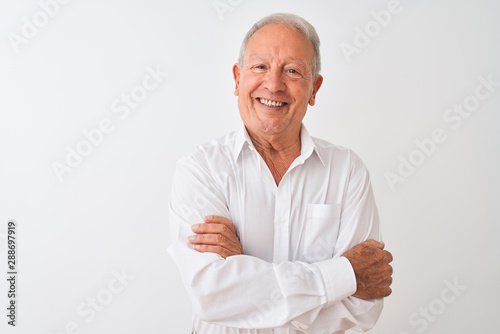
x=270, y=103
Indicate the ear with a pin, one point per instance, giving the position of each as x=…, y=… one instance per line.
x=236, y=76
x=317, y=82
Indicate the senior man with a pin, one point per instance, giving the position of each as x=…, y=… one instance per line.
x=275, y=231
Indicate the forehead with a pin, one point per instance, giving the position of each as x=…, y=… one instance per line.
x=282, y=42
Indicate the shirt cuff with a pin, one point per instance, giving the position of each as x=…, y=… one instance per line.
x=339, y=279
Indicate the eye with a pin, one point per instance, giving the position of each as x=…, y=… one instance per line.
x=259, y=68
x=293, y=73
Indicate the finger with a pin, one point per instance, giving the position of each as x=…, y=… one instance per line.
x=214, y=228
x=220, y=220
x=211, y=239
x=213, y=249
x=380, y=292
x=223, y=250
x=377, y=271
x=217, y=240
x=388, y=256
x=374, y=243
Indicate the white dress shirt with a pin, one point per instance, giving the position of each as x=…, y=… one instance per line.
x=291, y=278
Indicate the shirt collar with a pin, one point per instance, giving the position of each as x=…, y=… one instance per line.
x=307, y=144
x=242, y=139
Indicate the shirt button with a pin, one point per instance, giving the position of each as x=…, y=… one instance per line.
x=281, y=221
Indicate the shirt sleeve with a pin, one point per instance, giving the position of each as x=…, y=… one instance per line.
x=359, y=222
x=244, y=291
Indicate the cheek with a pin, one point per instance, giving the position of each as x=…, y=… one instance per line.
x=248, y=84
x=307, y=96
x=301, y=96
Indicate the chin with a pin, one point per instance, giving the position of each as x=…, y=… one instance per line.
x=271, y=128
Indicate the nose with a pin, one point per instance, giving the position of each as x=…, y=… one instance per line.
x=274, y=81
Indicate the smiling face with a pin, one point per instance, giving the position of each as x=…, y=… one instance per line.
x=275, y=82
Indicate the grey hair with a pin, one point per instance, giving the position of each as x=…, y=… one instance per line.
x=293, y=21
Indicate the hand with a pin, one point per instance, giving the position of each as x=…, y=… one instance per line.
x=373, y=272
x=217, y=235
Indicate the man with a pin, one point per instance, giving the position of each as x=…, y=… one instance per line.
x=270, y=226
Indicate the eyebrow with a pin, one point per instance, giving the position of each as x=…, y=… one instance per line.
x=263, y=55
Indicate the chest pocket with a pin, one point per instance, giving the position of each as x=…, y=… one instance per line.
x=321, y=231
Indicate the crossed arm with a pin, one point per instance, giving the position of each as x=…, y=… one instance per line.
x=217, y=272
x=369, y=260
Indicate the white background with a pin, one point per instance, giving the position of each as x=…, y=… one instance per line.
x=110, y=212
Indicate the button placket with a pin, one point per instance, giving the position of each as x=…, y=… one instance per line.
x=281, y=222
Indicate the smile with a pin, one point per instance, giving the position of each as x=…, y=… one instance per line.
x=271, y=103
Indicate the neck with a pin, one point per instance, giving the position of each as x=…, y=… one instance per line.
x=277, y=152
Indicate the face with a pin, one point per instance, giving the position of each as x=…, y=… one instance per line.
x=275, y=82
